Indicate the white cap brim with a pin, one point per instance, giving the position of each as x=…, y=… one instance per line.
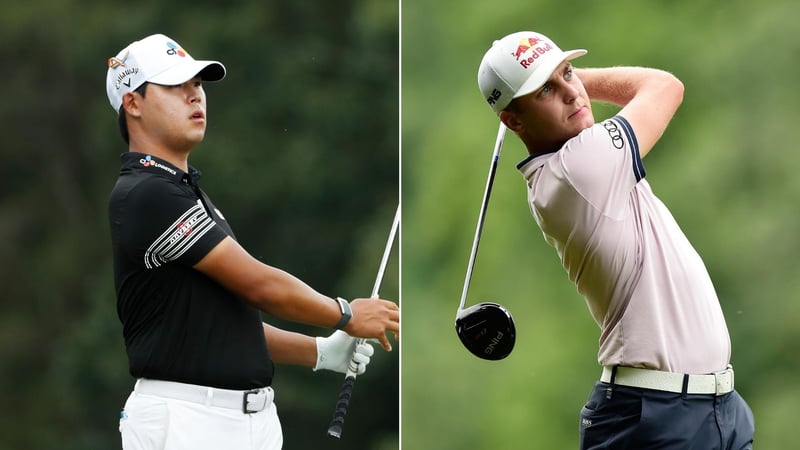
x=185, y=71
x=546, y=68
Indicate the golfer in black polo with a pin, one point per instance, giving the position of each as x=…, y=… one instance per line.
x=188, y=295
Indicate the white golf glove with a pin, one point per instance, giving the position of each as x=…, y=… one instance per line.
x=335, y=351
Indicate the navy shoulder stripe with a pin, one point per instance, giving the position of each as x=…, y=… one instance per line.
x=532, y=157
x=638, y=167
x=525, y=161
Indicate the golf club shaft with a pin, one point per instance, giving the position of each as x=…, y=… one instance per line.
x=335, y=428
x=482, y=215
x=386, y=251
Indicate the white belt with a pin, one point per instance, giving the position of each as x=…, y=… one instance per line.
x=718, y=383
x=248, y=402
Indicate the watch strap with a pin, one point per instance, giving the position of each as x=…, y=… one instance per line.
x=347, y=313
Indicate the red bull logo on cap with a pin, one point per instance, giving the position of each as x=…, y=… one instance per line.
x=524, y=45
x=529, y=46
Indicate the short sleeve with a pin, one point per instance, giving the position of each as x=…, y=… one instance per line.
x=162, y=223
x=603, y=164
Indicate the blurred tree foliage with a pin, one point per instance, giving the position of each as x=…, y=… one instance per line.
x=727, y=168
x=301, y=154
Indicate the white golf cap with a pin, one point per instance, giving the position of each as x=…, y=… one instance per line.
x=519, y=64
x=155, y=59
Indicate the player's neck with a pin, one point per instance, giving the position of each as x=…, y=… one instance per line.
x=178, y=158
x=539, y=147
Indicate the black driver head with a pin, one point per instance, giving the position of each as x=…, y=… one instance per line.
x=487, y=330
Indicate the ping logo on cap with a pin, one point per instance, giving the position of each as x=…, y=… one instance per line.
x=494, y=97
x=173, y=49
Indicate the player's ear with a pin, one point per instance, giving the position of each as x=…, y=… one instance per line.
x=511, y=120
x=131, y=104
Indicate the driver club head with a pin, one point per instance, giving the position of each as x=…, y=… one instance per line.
x=487, y=330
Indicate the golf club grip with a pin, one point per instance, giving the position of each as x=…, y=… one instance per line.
x=335, y=428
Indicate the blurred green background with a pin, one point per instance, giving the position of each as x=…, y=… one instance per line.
x=301, y=155
x=726, y=167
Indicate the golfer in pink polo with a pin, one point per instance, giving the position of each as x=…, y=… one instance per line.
x=666, y=381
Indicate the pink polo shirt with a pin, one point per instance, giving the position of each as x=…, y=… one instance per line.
x=645, y=285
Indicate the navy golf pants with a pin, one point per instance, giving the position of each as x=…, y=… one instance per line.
x=634, y=418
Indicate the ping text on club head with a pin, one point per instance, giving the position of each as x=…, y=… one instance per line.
x=495, y=340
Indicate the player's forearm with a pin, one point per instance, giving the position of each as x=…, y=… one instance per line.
x=268, y=288
x=619, y=85
x=283, y=295
x=287, y=347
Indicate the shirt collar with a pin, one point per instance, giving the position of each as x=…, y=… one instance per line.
x=529, y=165
x=148, y=163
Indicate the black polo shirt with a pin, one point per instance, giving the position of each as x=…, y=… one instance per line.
x=178, y=324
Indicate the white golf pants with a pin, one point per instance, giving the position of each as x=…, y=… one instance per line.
x=162, y=422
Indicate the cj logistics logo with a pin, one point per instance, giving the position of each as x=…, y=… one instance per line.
x=173, y=49
x=148, y=161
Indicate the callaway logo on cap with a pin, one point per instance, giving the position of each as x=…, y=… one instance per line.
x=519, y=64
x=155, y=59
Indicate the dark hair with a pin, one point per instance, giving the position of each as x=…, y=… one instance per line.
x=122, y=121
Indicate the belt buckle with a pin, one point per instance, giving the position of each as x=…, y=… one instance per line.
x=245, y=410
x=723, y=381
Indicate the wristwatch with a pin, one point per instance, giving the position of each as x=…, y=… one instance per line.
x=347, y=313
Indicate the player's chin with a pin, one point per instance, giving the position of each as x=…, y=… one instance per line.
x=196, y=136
x=586, y=120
